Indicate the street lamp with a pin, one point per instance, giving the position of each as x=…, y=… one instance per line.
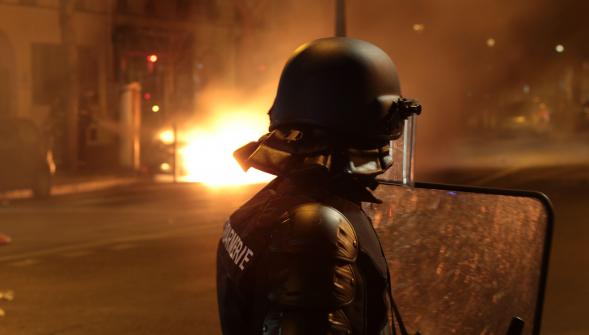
x=418, y=27
x=340, y=18
x=559, y=48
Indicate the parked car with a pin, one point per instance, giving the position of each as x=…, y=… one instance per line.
x=27, y=161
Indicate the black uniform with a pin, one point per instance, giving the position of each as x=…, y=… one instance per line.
x=301, y=257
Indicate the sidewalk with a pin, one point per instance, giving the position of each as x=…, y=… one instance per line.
x=63, y=184
x=77, y=184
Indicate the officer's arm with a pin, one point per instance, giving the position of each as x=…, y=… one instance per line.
x=311, y=272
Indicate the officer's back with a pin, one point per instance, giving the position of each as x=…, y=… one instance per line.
x=301, y=257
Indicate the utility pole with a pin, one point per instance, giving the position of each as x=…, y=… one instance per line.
x=68, y=38
x=340, y=18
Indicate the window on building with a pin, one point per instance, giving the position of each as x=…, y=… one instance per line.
x=211, y=8
x=29, y=2
x=5, y=92
x=150, y=8
x=185, y=9
x=88, y=70
x=122, y=6
x=48, y=72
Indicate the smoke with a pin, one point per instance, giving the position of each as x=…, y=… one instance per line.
x=441, y=49
x=259, y=59
x=448, y=62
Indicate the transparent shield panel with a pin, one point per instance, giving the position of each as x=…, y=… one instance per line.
x=402, y=149
x=462, y=263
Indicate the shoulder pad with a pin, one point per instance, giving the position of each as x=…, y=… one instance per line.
x=313, y=227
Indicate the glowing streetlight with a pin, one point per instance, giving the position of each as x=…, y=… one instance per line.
x=419, y=27
x=526, y=89
x=491, y=42
x=165, y=167
x=167, y=136
x=155, y=108
x=559, y=48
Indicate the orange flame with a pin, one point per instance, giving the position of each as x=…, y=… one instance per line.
x=207, y=150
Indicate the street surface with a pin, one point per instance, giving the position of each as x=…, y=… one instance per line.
x=139, y=258
x=131, y=260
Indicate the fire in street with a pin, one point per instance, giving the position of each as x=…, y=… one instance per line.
x=205, y=149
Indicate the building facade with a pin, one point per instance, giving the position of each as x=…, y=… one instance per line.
x=63, y=64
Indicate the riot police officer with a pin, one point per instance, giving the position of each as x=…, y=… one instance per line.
x=301, y=257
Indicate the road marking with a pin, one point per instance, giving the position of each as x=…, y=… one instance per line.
x=95, y=244
x=499, y=174
x=25, y=262
x=530, y=173
x=75, y=254
x=72, y=188
x=123, y=246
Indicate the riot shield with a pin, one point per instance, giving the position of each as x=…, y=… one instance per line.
x=464, y=260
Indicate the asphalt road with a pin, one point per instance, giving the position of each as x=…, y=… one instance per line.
x=130, y=260
x=139, y=259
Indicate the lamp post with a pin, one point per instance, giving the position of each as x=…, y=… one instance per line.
x=340, y=18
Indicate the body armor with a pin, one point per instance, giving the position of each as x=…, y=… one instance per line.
x=300, y=259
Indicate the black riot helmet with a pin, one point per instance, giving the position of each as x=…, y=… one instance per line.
x=347, y=87
x=338, y=105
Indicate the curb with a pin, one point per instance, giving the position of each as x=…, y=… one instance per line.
x=88, y=186
x=72, y=187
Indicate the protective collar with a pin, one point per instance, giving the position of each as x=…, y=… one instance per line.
x=286, y=154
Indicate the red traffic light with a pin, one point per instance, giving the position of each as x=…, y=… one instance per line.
x=152, y=58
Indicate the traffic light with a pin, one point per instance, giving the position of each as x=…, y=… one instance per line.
x=152, y=58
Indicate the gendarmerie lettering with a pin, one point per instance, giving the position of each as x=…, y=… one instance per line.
x=239, y=253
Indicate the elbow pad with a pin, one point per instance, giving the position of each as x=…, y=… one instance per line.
x=312, y=272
